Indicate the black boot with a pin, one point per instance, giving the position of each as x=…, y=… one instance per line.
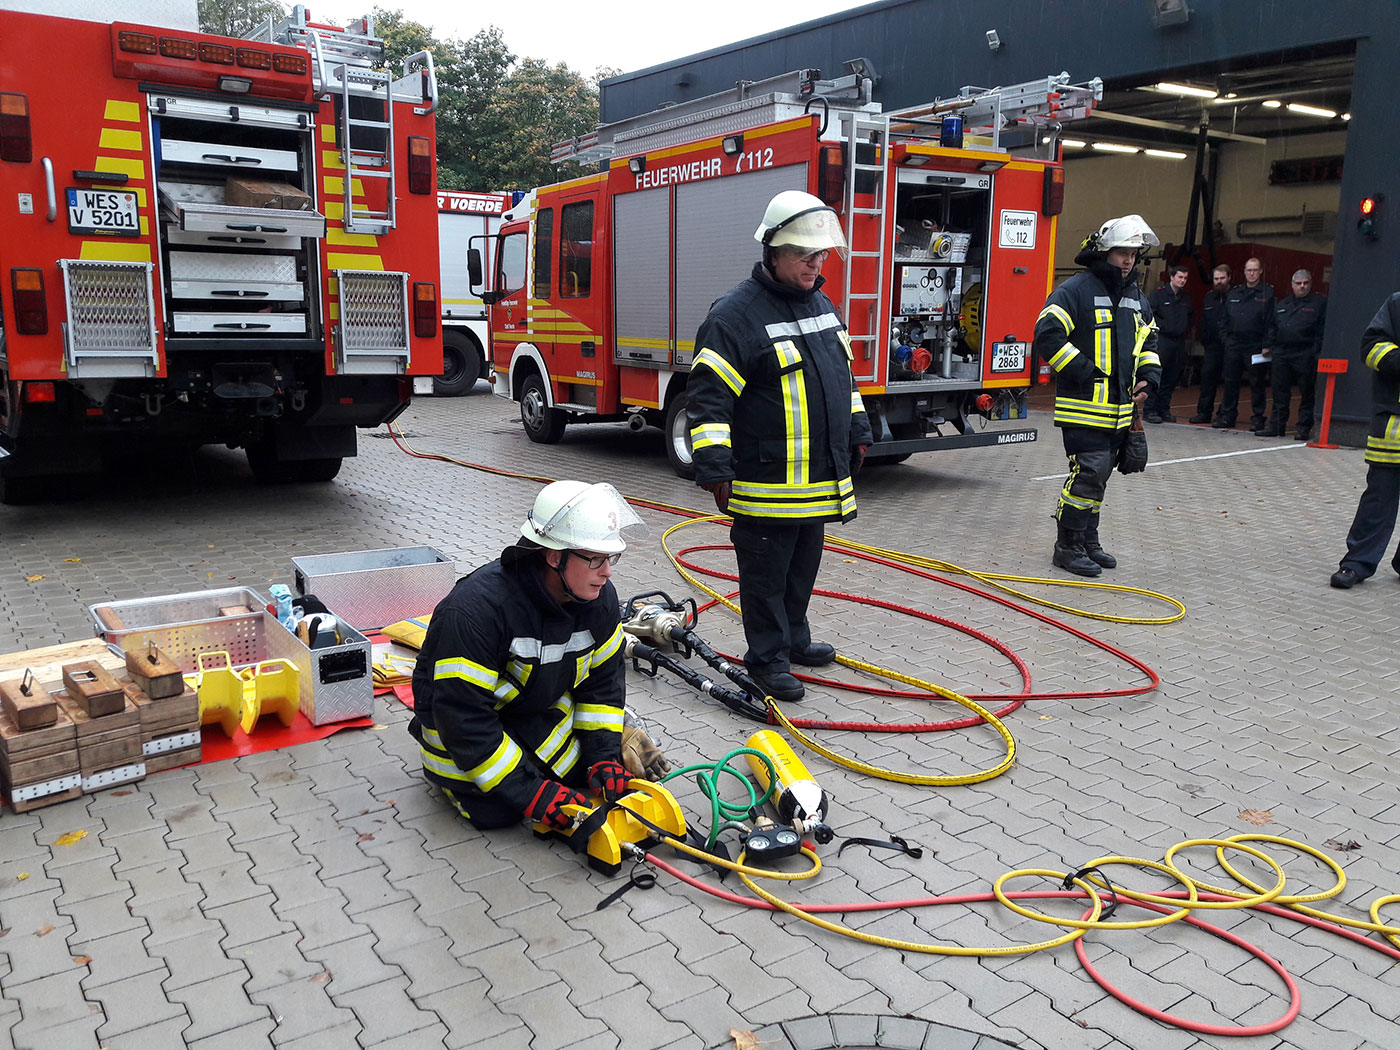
x=1096, y=553
x=1070, y=553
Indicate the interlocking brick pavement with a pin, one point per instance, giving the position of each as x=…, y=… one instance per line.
x=324, y=896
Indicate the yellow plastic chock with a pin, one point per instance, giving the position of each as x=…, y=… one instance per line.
x=647, y=800
x=271, y=687
x=220, y=692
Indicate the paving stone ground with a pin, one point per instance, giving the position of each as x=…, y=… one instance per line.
x=323, y=896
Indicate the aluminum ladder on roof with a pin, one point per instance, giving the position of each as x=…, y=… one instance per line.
x=854, y=125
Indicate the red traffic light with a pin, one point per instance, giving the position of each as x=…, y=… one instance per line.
x=1368, y=205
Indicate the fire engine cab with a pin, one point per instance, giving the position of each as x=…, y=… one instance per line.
x=462, y=216
x=210, y=240
x=598, y=285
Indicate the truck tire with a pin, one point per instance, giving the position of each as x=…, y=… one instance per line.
x=268, y=469
x=543, y=425
x=677, y=431
x=461, y=364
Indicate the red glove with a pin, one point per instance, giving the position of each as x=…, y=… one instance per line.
x=547, y=807
x=609, y=778
x=720, y=490
x=858, y=458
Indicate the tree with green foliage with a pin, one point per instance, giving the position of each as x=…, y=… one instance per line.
x=238, y=17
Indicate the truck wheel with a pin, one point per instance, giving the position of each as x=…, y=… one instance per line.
x=313, y=471
x=677, y=430
x=543, y=425
x=268, y=469
x=461, y=364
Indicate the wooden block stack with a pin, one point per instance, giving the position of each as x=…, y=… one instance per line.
x=38, y=748
x=107, y=724
x=169, y=710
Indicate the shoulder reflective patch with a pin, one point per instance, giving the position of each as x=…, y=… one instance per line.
x=803, y=326
x=535, y=649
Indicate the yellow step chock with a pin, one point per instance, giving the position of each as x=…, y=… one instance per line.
x=271, y=687
x=220, y=692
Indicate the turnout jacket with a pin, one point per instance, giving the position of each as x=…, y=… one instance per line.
x=1298, y=325
x=1100, y=349
x=773, y=403
x=1213, y=320
x=1378, y=343
x=511, y=688
x=1172, y=312
x=1249, y=316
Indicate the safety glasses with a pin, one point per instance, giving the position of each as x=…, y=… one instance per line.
x=595, y=561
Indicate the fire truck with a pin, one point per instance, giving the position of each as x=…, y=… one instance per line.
x=599, y=284
x=462, y=216
x=210, y=240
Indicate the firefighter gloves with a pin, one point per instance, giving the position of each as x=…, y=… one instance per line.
x=547, y=807
x=858, y=458
x=641, y=755
x=720, y=491
x=609, y=779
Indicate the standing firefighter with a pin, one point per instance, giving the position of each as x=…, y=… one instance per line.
x=1097, y=333
x=518, y=689
x=778, y=430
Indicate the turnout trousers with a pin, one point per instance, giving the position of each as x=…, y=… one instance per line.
x=1092, y=453
x=1374, y=523
x=485, y=812
x=778, y=562
x=1237, y=360
x=1211, y=365
x=1291, y=368
x=1173, y=355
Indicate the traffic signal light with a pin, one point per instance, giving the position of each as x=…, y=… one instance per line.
x=1368, y=216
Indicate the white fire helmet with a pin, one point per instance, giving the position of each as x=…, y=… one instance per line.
x=574, y=515
x=801, y=220
x=1128, y=231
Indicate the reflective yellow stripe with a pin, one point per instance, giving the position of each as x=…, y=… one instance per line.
x=442, y=766
x=568, y=759
x=788, y=354
x=561, y=732
x=809, y=509
x=467, y=671
x=1103, y=350
x=857, y=405
x=1060, y=314
x=604, y=652
x=1063, y=356
x=779, y=490
x=708, y=358
x=846, y=343
x=597, y=716
x=487, y=775
x=795, y=423
x=1377, y=353
x=708, y=434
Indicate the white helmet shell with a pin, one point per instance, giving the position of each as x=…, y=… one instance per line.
x=574, y=515
x=801, y=220
x=1128, y=231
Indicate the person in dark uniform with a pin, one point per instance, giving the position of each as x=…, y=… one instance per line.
x=1172, y=310
x=518, y=688
x=1298, y=322
x=1249, y=318
x=778, y=430
x=1096, y=332
x=1375, y=513
x=1212, y=333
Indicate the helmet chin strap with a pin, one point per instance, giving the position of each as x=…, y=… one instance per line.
x=559, y=571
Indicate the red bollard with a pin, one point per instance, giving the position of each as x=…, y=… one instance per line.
x=1331, y=367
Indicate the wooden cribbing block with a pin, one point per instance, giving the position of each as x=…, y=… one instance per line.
x=185, y=756
x=38, y=757
x=94, y=688
x=154, y=673
x=104, y=741
x=27, y=705
x=171, y=714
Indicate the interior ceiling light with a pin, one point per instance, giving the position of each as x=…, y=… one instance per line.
x=1311, y=111
x=1114, y=147
x=1273, y=103
x=1072, y=143
x=1346, y=116
x=1169, y=154
x=1169, y=88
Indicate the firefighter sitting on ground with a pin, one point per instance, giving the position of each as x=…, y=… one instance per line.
x=518, y=689
x=1096, y=331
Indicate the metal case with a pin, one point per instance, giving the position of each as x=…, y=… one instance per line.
x=335, y=680
x=369, y=589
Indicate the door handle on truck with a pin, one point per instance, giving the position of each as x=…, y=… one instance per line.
x=255, y=228
x=231, y=159
x=49, y=189
x=236, y=291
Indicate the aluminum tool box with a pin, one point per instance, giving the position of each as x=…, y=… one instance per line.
x=370, y=589
x=335, y=680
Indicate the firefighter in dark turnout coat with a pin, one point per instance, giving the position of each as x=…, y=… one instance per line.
x=1375, y=514
x=777, y=431
x=1297, y=341
x=1096, y=331
x=518, y=689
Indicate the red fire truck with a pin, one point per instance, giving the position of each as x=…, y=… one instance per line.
x=211, y=240
x=600, y=283
x=462, y=216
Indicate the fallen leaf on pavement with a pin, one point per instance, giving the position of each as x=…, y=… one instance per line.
x=365, y=836
x=35, y=578
x=1349, y=844
x=744, y=1039
x=82, y=960
x=1257, y=816
x=22, y=876
x=43, y=931
x=322, y=977
x=70, y=837
x=72, y=559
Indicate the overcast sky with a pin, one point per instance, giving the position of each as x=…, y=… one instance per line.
x=623, y=34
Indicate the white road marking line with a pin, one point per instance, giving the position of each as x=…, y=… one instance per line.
x=1192, y=459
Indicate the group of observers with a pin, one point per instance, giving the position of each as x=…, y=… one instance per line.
x=1244, y=331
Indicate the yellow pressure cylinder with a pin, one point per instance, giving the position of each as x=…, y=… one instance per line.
x=799, y=799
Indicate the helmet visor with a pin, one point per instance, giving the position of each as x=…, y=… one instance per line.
x=811, y=231
x=597, y=519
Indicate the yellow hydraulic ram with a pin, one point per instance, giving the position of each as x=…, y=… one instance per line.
x=651, y=802
x=801, y=802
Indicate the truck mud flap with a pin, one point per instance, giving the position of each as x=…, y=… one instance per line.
x=932, y=443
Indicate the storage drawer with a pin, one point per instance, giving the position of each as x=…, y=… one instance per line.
x=229, y=267
x=222, y=155
x=198, y=208
x=229, y=323
x=369, y=589
x=243, y=291
x=200, y=239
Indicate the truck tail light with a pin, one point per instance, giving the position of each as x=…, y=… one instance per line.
x=294, y=64
x=420, y=164
x=175, y=47
x=1052, y=198
x=425, y=309
x=216, y=54
x=15, y=141
x=31, y=308
x=40, y=393
x=831, y=175
x=252, y=58
x=137, y=43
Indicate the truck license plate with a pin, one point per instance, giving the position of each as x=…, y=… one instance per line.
x=1008, y=357
x=110, y=212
